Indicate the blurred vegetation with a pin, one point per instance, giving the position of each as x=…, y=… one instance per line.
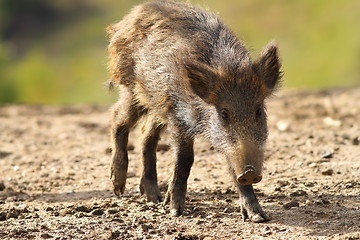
x=54, y=52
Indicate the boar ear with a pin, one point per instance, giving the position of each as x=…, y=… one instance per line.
x=268, y=67
x=201, y=78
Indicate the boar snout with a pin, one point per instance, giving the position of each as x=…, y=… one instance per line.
x=248, y=163
x=249, y=176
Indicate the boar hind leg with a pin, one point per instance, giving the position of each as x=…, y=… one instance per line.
x=124, y=115
x=176, y=193
x=148, y=184
x=250, y=207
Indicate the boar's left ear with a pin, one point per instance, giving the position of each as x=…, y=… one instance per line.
x=268, y=65
x=202, y=79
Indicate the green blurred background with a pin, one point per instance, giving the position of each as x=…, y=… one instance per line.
x=54, y=51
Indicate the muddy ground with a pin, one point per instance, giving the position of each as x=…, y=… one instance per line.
x=54, y=181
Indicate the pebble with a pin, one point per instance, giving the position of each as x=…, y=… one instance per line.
x=80, y=214
x=108, y=150
x=327, y=154
x=309, y=184
x=82, y=208
x=267, y=231
x=328, y=172
x=114, y=235
x=283, y=183
x=16, y=168
x=113, y=211
x=2, y=186
x=228, y=210
x=2, y=216
x=298, y=193
x=97, y=212
x=350, y=185
x=293, y=203
x=332, y=122
x=46, y=235
x=4, y=154
x=322, y=202
x=199, y=222
x=312, y=165
x=64, y=212
x=49, y=209
x=282, y=126
x=144, y=208
x=119, y=220
x=146, y=227
x=13, y=214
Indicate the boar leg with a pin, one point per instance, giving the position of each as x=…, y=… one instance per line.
x=124, y=115
x=148, y=184
x=184, y=154
x=250, y=207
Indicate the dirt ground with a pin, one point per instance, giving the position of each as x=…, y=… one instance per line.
x=55, y=184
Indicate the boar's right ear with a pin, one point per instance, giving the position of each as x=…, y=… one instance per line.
x=268, y=67
x=202, y=79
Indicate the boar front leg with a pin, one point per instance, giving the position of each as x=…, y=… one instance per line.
x=124, y=115
x=184, y=153
x=148, y=184
x=250, y=207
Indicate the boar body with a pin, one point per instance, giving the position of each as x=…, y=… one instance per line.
x=183, y=68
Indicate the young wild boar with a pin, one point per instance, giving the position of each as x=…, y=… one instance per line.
x=183, y=68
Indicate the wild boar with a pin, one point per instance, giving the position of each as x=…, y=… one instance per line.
x=184, y=69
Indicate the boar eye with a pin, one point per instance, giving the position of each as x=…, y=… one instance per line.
x=225, y=115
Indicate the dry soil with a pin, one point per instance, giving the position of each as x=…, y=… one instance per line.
x=55, y=184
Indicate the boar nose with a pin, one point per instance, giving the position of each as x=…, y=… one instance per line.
x=249, y=176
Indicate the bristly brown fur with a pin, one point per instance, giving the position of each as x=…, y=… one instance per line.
x=182, y=67
x=206, y=37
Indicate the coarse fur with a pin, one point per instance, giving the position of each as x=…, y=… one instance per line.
x=183, y=68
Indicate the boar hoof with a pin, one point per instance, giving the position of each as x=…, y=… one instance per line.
x=178, y=212
x=254, y=215
x=175, y=212
x=258, y=218
x=118, y=184
x=119, y=189
x=176, y=207
x=153, y=197
x=118, y=178
x=151, y=190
